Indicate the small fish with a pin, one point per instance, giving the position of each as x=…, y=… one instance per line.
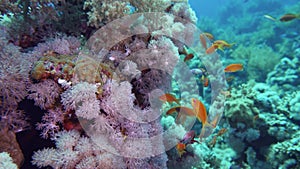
x=205, y=81
x=200, y=110
x=201, y=113
x=182, y=113
x=169, y=98
x=211, y=49
x=270, y=17
x=220, y=133
x=188, y=57
x=209, y=35
x=289, y=17
x=198, y=72
x=234, y=67
x=221, y=44
x=184, y=51
x=213, y=142
x=186, y=110
x=180, y=147
x=189, y=138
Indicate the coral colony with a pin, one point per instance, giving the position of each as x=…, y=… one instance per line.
x=149, y=84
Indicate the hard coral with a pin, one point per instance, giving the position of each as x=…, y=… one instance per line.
x=240, y=107
x=282, y=152
x=285, y=74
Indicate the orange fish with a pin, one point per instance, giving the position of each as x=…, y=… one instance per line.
x=289, y=17
x=168, y=98
x=182, y=113
x=209, y=35
x=205, y=82
x=188, y=57
x=186, y=110
x=180, y=148
x=211, y=49
x=200, y=110
x=221, y=44
x=214, y=140
x=203, y=41
x=234, y=67
x=201, y=113
x=221, y=131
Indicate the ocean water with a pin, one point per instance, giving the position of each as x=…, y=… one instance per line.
x=192, y=85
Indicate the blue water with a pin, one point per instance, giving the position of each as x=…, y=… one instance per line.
x=48, y=85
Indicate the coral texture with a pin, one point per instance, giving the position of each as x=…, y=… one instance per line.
x=74, y=151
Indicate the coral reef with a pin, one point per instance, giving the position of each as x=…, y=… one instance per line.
x=285, y=74
x=259, y=58
x=102, y=12
x=44, y=94
x=266, y=119
x=30, y=22
x=97, y=102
